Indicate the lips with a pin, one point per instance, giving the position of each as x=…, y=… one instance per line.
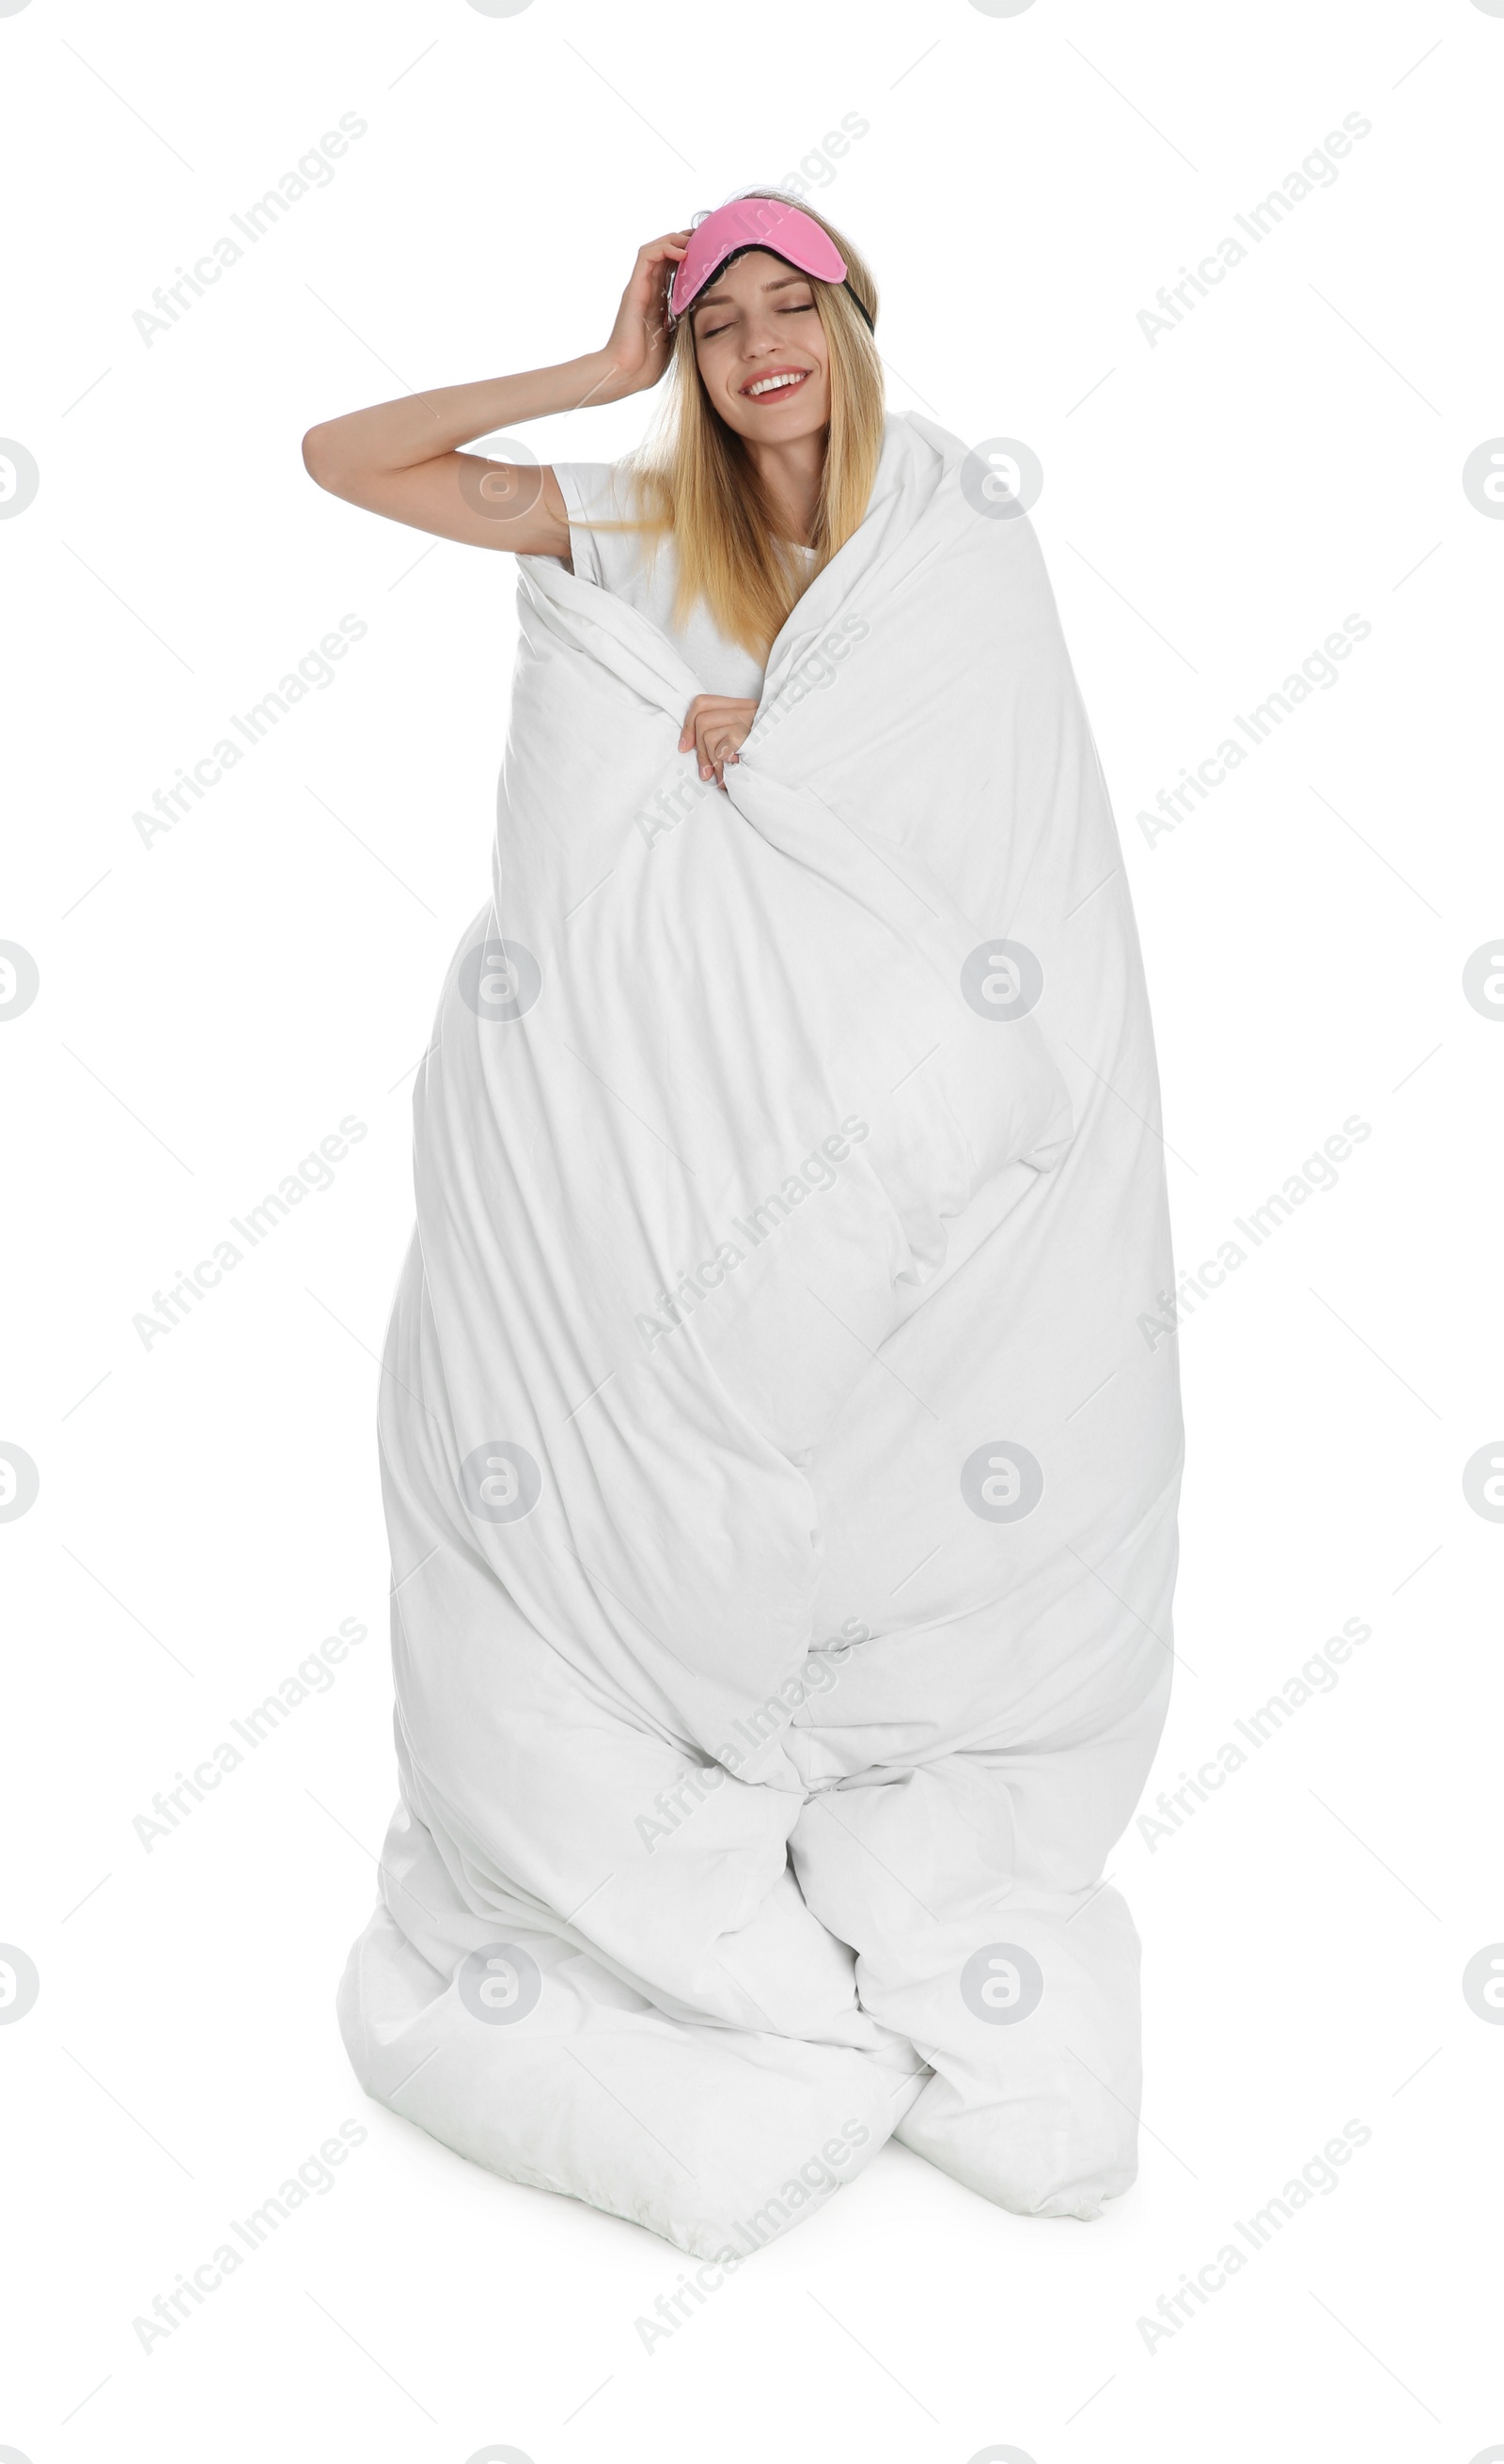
x=775, y=392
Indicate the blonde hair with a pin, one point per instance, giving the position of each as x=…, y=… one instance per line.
x=694, y=480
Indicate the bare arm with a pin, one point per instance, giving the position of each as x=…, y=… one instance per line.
x=400, y=458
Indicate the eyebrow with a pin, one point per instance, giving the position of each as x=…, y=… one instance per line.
x=721, y=299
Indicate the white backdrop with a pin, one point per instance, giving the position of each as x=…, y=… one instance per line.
x=1227, y=480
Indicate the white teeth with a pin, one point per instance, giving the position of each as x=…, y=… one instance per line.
x=770, y=384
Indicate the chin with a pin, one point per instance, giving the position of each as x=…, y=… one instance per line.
x=811, y=420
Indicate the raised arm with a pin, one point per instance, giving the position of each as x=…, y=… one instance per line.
x=400, y=458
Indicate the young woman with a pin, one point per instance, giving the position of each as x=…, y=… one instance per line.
x=775, y=432
x=764, y=1716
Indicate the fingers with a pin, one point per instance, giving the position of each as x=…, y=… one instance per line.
x=672, y=245
x=715, y=726
x=717, y=746
x=657, y=261
x=697, y=718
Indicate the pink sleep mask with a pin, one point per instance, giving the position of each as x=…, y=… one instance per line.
x=755, y=222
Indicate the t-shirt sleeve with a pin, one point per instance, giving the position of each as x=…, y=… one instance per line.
x=610, y=559
x=590, y=492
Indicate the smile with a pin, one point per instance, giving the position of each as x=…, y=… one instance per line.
x=780, y=381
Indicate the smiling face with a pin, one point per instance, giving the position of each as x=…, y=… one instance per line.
x=761, y=349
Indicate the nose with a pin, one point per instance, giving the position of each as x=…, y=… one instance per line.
x=760, y=333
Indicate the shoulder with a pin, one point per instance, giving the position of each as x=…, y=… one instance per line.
x=584, y=487
x=587, y=486
x=601, y=492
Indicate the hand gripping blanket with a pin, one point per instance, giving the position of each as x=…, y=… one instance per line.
x=781, y=1495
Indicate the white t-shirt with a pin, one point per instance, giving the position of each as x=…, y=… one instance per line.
x=623, y=563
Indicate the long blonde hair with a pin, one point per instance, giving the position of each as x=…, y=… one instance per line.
x=694, y=480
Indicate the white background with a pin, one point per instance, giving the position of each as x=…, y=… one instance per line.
x=214, y=1004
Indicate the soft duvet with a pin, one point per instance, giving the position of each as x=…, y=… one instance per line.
x=781, y=1497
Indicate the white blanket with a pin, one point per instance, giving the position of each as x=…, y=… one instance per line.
x=781, y=1495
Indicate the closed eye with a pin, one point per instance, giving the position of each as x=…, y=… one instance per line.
x=709, y=334
x=797, y=308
